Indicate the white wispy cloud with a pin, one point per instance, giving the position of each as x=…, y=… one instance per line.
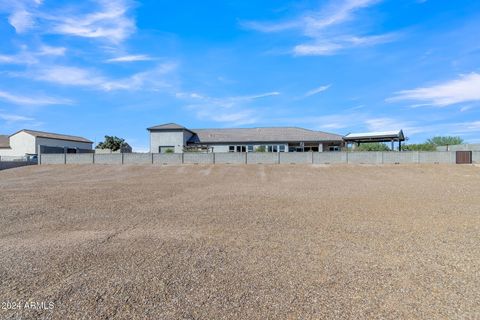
x=14, y=117
x=389, y=124
x=46, y=50
x=21, y=20
x=153, y=79
x=464, y=89
x=235, y=110
x=110, y=22
x=131, y=58
x=21, y=13
x=32, y=101
x=28, y=57
x=103, y=19
x=317, y=90
x=325, y=29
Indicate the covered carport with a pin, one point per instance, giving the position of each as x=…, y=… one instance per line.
x=356, y=139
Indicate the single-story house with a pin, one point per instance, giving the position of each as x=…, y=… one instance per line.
x=172, y=137
x=30, y=142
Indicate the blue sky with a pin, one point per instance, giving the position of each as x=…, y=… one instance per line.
x=115, y=67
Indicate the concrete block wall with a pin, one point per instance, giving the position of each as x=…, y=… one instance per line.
x=460, y=147
x=476, y=157
x=200, y=158
x=13, y=164
x=79, y=158
x=365, y=157
x=257, y=158
x=296, y=157
x=329, y=157
x=262, y=157
x=52, y=158
x=231, y=157
x=113, y=158
x=437, y=157
x=137, y=158
x=401, y=157
x=167, y=158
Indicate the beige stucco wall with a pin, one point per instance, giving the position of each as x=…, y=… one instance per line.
x=175, y=138
x=20, y=144
x=23, y=143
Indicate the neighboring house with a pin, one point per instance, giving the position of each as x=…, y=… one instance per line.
x=30, y=142
x=173, y=137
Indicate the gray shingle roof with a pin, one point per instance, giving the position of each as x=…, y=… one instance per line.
x=4, y=141
x=167, y=126
x=273, y=134
x=50, y=135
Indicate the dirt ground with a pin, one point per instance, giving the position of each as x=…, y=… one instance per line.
x=240, y=242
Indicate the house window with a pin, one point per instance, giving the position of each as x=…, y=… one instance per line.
x=241, y=149
x=281, y=148
x=250, y=148
x=334, y=148
x=231, y=148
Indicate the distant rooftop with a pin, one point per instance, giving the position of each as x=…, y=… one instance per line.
x=167, y=126
x=58, y=136
x=272, y=134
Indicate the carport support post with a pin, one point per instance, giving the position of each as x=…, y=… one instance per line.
x=122, y=156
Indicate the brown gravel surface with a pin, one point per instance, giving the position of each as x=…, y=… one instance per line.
x=240, y=242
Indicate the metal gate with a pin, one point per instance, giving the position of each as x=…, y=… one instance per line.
x=464, y=157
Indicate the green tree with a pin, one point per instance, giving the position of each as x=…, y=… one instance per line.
x=260, y=149
x=445, y=141
x=113, y=143
x=374, y=146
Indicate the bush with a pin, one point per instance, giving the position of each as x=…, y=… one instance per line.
x=113, y=143
x=445, y=141
x=169, y=151
x=419, y=147
x=260, y=149
x=375, y=146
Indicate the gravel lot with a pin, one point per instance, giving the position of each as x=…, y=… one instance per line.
x=240, y=242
